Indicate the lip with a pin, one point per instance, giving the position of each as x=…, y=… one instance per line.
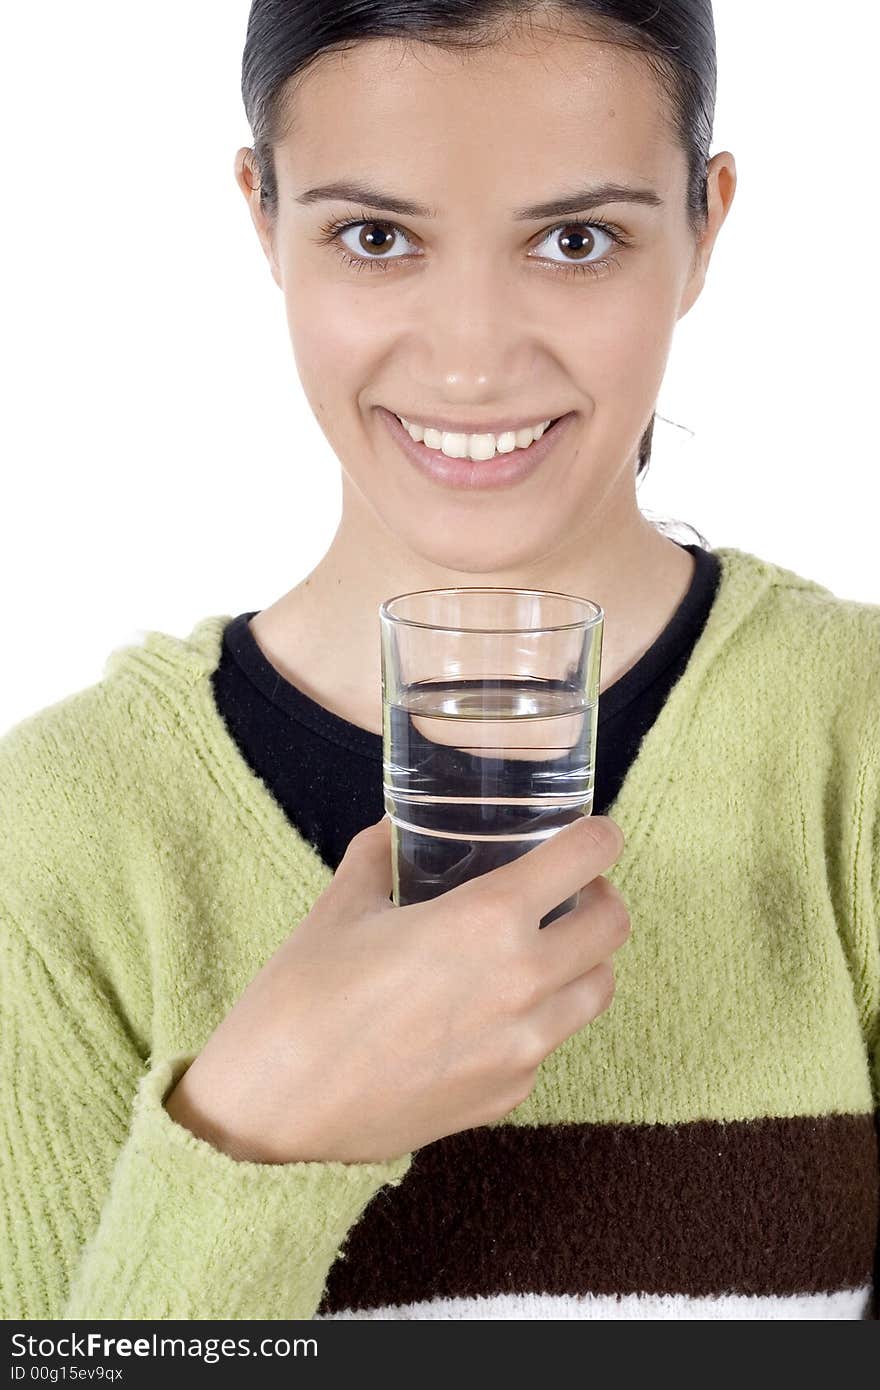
x=504, y=470
x=500, y=425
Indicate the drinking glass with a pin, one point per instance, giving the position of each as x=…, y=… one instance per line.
x=489, y=705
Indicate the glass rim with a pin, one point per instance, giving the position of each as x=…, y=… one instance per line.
x=584, y=624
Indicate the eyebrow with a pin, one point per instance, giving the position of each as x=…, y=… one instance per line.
x=582, y=200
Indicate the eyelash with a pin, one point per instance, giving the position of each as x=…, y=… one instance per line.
x=331, y=231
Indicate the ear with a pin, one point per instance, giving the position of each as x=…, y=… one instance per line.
x=720, y=188
x=248, y=179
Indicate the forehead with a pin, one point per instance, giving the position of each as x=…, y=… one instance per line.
x=526, y=108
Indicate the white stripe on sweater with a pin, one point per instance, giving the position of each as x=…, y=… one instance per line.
x=847, y=1304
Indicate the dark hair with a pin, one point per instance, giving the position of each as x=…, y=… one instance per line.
x=676, y=38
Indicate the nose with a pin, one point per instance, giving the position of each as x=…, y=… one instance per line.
x=475, y=336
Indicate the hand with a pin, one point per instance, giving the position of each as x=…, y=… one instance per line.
x=376, y=1029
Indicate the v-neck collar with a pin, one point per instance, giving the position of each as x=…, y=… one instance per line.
x=177, y=672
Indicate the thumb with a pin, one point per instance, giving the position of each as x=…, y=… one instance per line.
x=364, y=877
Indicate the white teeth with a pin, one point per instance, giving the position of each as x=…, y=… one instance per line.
x=475, y=446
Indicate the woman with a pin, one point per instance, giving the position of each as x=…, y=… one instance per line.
x=227, y=1065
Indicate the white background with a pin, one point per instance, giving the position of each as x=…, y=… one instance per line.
x=160, y=461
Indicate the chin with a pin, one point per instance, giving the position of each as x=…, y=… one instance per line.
x=478, y=556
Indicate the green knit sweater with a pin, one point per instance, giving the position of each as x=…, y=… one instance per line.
x=705, y=1148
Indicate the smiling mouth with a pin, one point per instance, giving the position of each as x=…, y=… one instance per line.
x=478, y=446
x=500, y=470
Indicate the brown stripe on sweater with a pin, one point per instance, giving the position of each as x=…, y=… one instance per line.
x=762, y=1206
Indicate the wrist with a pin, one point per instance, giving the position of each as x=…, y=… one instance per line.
x=202, y=1120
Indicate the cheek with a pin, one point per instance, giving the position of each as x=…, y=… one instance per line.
x=336, y=350
x=332, y=325
x=625, y=344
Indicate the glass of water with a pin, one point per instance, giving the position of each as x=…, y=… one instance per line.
x=489, y=699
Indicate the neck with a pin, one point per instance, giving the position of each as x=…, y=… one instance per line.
x=323, y=635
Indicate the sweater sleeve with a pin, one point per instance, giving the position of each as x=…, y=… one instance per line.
x=112, y=1209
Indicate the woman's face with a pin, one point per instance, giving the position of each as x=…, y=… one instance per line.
x=473, y=313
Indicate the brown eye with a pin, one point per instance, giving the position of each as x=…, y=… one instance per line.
x=375, y=236
x=579, y=242
x=368, y=240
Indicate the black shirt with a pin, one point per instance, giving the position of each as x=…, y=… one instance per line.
x=326, y=773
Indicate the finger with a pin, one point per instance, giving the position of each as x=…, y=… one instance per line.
x=579, y=940
x=364, y=876
x=554, y=869
x=575, y=1006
